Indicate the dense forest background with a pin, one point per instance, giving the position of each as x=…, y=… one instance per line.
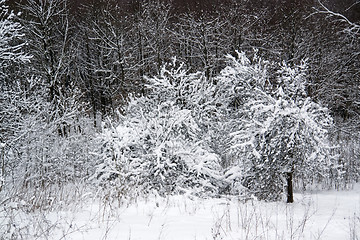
x=80, y=79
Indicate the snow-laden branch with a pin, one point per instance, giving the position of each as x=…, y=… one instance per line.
x=10, y=30
x=352, y=28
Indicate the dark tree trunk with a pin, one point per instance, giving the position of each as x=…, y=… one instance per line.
x=290, y=194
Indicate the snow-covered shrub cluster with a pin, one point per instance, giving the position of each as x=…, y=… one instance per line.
x=243, y=130
x=38, y=162
x=41, y=148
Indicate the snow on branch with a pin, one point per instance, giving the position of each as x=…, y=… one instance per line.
x=352, y=28
x=10, y=30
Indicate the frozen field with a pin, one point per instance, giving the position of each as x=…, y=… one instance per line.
x=319, y=215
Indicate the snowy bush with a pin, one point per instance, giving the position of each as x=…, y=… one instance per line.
x=281, y=130
x=158, y=146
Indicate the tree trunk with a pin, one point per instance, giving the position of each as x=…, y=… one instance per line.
x=2, y=158
x=290, y=194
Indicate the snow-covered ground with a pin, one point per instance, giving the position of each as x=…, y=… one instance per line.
x=318, y=215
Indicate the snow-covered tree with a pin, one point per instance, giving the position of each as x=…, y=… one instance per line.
x=283, y=132
x=40, y=149
x=104, y=62
x=11, y=54
x=339, y=89
x=50, y=41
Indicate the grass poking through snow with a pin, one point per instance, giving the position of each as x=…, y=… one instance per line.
x=323, y=215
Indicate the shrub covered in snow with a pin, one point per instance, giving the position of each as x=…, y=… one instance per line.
x=244, y=128
x=282, y=130
x=158, y=146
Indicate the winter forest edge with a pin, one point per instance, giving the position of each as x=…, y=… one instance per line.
x=129, y=99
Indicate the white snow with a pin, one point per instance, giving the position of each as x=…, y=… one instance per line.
x=329, y=215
